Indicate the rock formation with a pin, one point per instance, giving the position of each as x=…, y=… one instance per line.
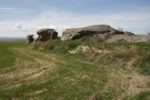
x=46, y=34
x=129, y=38
x=30, y=39
x=101, y=33
x=90, y=32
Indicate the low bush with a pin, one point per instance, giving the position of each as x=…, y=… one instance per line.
x=57, y=45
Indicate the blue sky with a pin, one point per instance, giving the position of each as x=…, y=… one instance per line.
x=22, y=17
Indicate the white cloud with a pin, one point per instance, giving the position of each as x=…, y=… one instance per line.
x=10, y=10
x=61, y=20
x=19, y=26
x=6, y=8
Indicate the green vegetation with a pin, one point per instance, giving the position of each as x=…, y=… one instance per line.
x=7, y=56
x=141, y=96
x=74, y=70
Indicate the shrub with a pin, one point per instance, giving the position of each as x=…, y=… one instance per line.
x=48, y=45
x=36, y=45
x=60, y=50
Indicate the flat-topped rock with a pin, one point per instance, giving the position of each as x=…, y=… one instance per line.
x=46, y=34
x=77, y=33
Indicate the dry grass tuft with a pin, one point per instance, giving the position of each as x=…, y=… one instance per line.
x=116, y=86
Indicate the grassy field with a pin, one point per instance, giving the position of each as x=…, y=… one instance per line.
x=74, y=70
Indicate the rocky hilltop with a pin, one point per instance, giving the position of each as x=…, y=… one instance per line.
x=102, y=33
x=88, y=32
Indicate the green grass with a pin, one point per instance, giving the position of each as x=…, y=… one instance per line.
x=72, y=69
x=7, y=56
x=141, y=96
x=58, y=86
x=142, y=50
x=66, y=76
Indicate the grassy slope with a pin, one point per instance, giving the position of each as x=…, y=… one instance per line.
x=29, y=73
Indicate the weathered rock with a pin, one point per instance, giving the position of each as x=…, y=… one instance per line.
x=129, y=38
x=88, y=32
x=46, y=34
x=30, y=39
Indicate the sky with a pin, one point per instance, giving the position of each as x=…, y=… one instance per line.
x=18, y=18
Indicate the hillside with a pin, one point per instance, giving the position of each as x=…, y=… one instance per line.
x=74, y=70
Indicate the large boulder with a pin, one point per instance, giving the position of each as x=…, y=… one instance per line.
x=89, y=32
x=46, y=34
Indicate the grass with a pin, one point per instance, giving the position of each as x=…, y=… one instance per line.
x=7, y=56
x=141, y=96
x=49, y=71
